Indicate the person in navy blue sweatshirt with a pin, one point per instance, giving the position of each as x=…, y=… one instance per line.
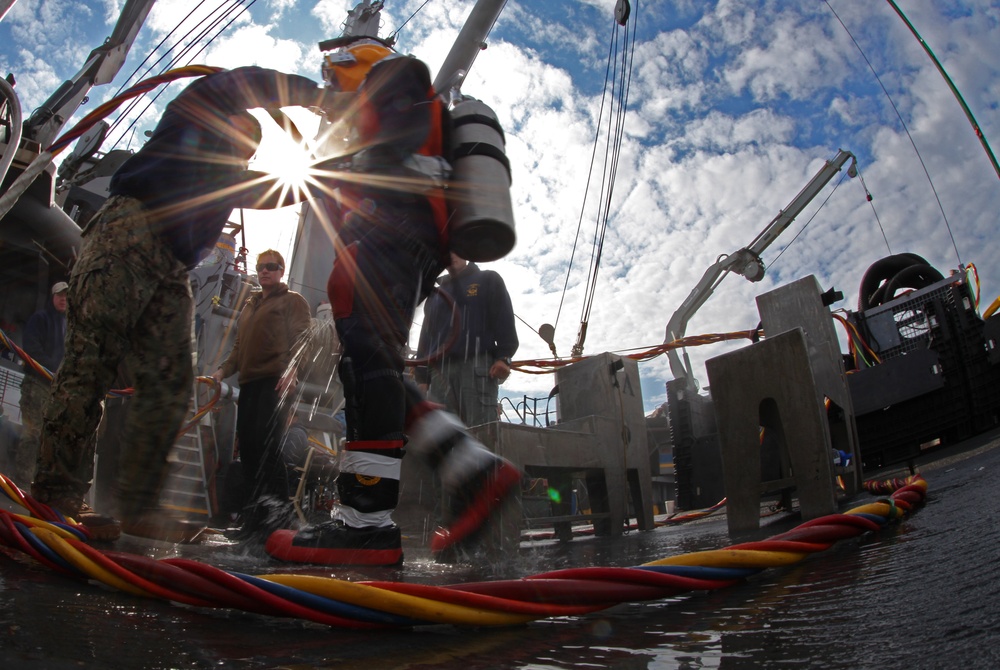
x=130, y=298
x=467, y=368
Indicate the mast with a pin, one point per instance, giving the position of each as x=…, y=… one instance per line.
x=363, y=19
x=471, y=40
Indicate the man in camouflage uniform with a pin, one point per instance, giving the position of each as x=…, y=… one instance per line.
x=121, y=267
x=130, y=298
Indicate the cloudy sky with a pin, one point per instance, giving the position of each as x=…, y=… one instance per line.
x=733, y=106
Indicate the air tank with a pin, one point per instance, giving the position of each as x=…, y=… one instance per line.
x=482, y=217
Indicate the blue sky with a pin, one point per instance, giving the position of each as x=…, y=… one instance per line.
x=733, y=107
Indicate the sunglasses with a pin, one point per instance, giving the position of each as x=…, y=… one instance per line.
x=270, y=267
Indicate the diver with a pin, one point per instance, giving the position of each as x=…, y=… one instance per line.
x=392, y=242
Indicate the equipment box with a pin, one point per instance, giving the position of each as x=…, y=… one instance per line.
x=935, y=383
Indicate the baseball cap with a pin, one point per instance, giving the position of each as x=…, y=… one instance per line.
x=59, y=287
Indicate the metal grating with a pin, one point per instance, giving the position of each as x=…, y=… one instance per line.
x=914, y=322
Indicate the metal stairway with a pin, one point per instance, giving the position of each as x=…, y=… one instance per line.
x=186, y=487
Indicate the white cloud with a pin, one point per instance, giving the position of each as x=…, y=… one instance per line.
x=733, y=108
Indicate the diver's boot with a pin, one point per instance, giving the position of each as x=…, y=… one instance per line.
x=476, y=480
x=362, y=531
x=164, y=525
x=101, y=527
x=335, y=543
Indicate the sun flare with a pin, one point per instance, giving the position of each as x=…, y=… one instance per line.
x=289, y=161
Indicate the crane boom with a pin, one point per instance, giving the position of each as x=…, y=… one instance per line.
x=34, y=210
x=104, y=62
x=746, y=261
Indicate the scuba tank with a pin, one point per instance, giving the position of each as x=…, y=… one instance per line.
x=482, y=217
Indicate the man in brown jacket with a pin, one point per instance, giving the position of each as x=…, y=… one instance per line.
x=268, y=329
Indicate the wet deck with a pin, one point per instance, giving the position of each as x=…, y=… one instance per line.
x=921, y=593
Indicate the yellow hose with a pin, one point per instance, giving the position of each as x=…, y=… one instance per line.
x=77, y=559
x=992, y=308
x=398, y=603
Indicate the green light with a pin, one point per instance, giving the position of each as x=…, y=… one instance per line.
x=554, y=495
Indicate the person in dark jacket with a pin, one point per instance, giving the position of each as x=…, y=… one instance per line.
x=44, y=340
x=467, y=369
x=130, y=297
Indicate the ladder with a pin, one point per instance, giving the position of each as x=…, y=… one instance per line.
x=186, y=487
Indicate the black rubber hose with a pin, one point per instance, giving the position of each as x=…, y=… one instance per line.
x=915, y=276
x=882, y=271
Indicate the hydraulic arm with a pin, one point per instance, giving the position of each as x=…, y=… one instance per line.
x=102, y=65
x=746, y=261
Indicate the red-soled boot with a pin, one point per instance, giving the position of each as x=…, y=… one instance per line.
x=362, y=531
x=476, y=480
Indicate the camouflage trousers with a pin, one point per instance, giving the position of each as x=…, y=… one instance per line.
x=129, y=302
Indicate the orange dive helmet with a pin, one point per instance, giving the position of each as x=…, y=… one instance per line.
x=347, y=67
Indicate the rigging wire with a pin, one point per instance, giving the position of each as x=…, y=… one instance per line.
x=616, y=133
x=600, y=230
x=532, y=328
x=590, y=172
x=612, y=155
x=617, y=83
x=154, y=49
x=173, y=61
x=186, y=50
x=395, y=33
x=871, y=202
x=905, y=129
x=810, y=220
x=954, y=89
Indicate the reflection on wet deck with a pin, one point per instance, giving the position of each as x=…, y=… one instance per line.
x=860, y=604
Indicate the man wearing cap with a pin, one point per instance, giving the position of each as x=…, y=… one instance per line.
x=130, y=297
x=43, y=340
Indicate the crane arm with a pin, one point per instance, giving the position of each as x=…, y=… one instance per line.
x=104, y=62
x=677, y=325
x=746, y=261
x=799, y=202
